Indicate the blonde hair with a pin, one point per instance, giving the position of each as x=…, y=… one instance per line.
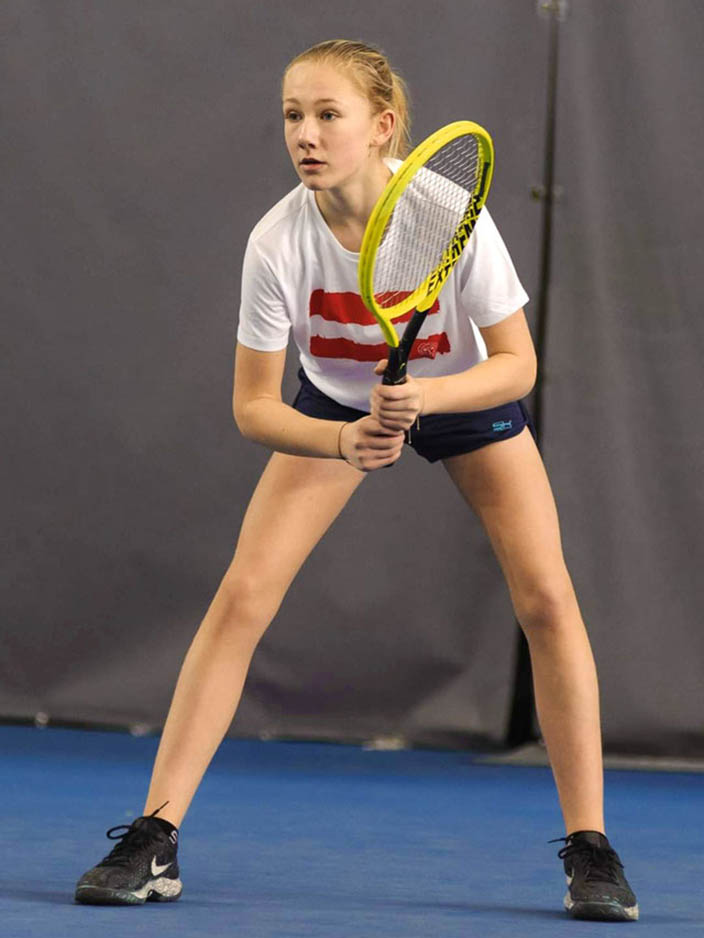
x=371, y=72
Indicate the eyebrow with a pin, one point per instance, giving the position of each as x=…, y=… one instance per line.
x=319, y=101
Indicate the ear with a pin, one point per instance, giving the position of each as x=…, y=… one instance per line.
x=385, y=123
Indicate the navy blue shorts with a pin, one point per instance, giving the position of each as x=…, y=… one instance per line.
x=439, y=435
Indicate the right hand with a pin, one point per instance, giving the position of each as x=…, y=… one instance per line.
x=367, y=445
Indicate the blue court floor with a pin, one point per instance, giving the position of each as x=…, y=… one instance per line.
x=306, y=839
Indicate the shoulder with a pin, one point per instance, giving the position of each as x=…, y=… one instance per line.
x=274, y=243
x=486, y=241
x=280, y=219
x=486, y=226
x=487, y=237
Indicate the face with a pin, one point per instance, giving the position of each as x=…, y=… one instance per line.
x=331, y=135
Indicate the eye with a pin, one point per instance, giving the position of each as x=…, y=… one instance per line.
x=328, y=115
x=292, y=115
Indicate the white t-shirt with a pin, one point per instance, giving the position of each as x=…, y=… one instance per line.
x=297, y=276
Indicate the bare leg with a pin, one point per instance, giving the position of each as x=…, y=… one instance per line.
x=296, y=500
x=506, y=484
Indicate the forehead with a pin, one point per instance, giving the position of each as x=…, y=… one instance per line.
x=308, y=82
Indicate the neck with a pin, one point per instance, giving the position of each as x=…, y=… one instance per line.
x=351, y=204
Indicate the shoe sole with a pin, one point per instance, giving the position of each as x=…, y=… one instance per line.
x=162, y=890
x=602, y=911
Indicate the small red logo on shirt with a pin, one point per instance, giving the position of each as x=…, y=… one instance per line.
x=431, y=346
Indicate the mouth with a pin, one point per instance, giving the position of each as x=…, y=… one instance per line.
x=310, y=163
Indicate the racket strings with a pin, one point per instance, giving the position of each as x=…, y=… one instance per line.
x=425, y=219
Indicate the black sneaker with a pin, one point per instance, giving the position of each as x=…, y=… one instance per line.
x=141, y=867
x=598, y=890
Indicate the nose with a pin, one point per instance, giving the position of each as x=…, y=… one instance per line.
x=307, y=135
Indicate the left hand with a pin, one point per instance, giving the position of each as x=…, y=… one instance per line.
x=396, y=406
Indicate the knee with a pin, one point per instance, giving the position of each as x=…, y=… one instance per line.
x=244, y=604
x=546, y=607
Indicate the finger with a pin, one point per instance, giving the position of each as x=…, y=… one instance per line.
x=399, y=420
x=392, y=392
x=380, y=367
x=387, y=417
x=376, y=428
x=388, y=435
x=373, y=457
x=379, y=448
x=381, y=463
x=398, y=427
x=392, y=405
x=390, y=461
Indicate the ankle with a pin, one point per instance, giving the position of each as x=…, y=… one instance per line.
x=168, y=828
x=162, y=813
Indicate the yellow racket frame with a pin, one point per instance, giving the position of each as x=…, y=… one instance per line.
x=425, y=294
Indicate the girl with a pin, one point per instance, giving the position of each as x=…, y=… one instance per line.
x=345, y=120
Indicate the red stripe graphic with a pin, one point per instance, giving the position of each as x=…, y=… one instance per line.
x=428, y=347
x=349, y=308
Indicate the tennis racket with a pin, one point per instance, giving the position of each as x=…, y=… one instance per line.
x=418, y=229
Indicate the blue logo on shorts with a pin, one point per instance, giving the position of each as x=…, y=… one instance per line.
x=501, y=425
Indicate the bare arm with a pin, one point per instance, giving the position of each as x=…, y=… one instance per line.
x=262, y=416
x=508, y=374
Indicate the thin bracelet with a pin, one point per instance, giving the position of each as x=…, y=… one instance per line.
x=339, y=442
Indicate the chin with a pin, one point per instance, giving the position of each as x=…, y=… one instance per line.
x=315, y=185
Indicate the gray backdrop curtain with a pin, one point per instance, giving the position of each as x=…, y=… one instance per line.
x=141, y=142
x=623, y=400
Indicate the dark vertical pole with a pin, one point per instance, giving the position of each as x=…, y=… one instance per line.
x=547, y=194
x=522, y=716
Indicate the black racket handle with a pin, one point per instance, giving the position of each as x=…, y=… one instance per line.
x=398, y=357
x=396, y=369
x=395, y=372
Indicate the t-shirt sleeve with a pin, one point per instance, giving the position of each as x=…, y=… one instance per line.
x=264, y=323
x=489, y=286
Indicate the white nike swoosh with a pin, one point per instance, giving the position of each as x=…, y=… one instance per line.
x=158, y=870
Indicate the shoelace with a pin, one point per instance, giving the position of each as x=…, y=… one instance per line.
x=135, y=835
x=600, y=864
